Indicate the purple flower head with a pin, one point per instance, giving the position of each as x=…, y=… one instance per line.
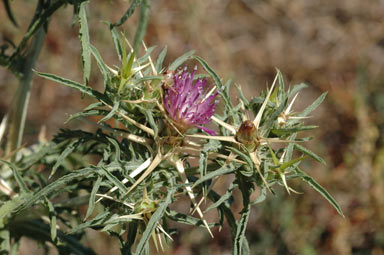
x=187, y=102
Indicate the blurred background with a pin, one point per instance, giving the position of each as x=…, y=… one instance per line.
x=334, y=46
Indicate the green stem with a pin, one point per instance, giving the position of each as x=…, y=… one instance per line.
x=20, y=103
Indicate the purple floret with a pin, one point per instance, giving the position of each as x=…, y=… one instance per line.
x=187, y=104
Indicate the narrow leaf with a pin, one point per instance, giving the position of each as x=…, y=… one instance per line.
x=226, y=169
x=18, y=178
x=84, y=38
x=68, y=150
x=114, y=180
x=91, y=204
x=316, y=186
x=296, y=89
x=240, y=244
x=100, y=62
x=52, y=217
x=288, y=131
x=149, y=114
x=142, y=27
x=290, y=163
x=210, y=71
x=111, y=113
x=128, y=13
x=310, y=153
x=186, y=219
x=116, y=42
x=180, y=60
x=160, y=59
x=313, y=106
x=223, y=198
x=84, y=89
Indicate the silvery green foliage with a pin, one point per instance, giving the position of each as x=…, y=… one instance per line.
x=142, y=158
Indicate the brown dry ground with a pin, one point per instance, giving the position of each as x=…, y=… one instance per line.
x=334, y=46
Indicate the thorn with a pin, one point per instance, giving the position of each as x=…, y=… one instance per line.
x=257, y=120
x=180, y=168
x=290, y=105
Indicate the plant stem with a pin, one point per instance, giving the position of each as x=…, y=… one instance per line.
x=21, y=99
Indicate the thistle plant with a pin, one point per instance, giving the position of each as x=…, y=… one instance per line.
x=129, y=173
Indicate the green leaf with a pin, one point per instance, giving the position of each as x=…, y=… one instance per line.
x=290, y=147
x=226, y=169
x=291, y=163
x=148, y=78
x=111, y=113
x=149, y=114
x=55, y=187
x=144, y=58
x=18, y=178
x=98, y=220
x=223, y=198
x=100, y=62
x=310, y=153
x=68, y=150
x=91, y=204
x=155, y=219
x=114, y=180
x=269, y=123
x=84, y=38
x=261, y=197
x=259, y=101
x=117, y=149
x=52, y=217
x=180, y=60
x=116, y=41
x=72, y=84
x=95, y=112
x=246, y=158
x=313, y=106
x=240, y=245
x=210, y=71
x=274, y=158
x=288, y=131
x=142, y=27
x=128, y=13
x=186, y=219
x=241, y=95
x=316, y=186
x=10, y=206
x=203, y=162
x=160, y=59
x=296, y=89
x=224, y=208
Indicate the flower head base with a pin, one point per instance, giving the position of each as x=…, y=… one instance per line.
x=188, y=103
